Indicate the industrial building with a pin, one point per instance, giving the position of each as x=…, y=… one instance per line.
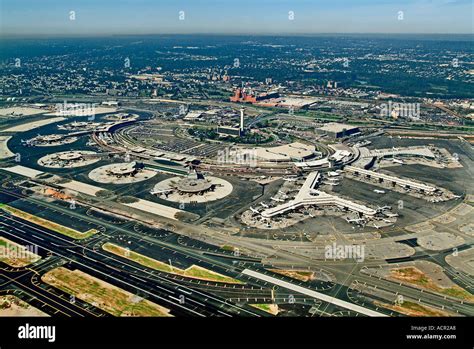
x=242, y=96
x=336, y=130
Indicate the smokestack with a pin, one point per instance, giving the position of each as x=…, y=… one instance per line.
x=242, y=120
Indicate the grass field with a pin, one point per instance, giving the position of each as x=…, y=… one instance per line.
x=15, y=255
x=101, y=294
x=13, y=306
x=268, y=308
x=195, y=272
x=58, y=228
x=414, y=309
x=302, y=275
x=416, y=277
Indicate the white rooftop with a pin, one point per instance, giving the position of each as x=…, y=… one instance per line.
x=336, y=127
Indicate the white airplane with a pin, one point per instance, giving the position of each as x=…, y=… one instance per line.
x=333, y=174
x=277, y=200
x=398, y=161
x=264, y=204
x=379, y=191
x=383, y=208
x=254, y=210
x=331, y=183
x=355, y=220
x=390, y=215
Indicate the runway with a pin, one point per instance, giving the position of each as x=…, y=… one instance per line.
x=120, y=273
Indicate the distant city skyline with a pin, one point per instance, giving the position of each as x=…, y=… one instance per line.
x=108, y=17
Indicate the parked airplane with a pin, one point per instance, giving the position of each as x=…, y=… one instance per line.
x=254, y=210
x=379, y=191
x=384, y=208
x=355, y=220
x=333, y=174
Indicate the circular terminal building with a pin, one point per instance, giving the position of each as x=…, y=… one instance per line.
x=50, y=140
x=122, y=173
x=194, y=183
x=192, y=188
x=69, y=159
x=79, y=126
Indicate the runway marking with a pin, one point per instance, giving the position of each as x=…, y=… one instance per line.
x=139, y=279
x=221, y=312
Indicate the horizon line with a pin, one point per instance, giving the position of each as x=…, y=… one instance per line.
x=85, y=35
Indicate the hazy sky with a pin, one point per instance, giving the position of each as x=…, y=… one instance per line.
x=92, y=17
